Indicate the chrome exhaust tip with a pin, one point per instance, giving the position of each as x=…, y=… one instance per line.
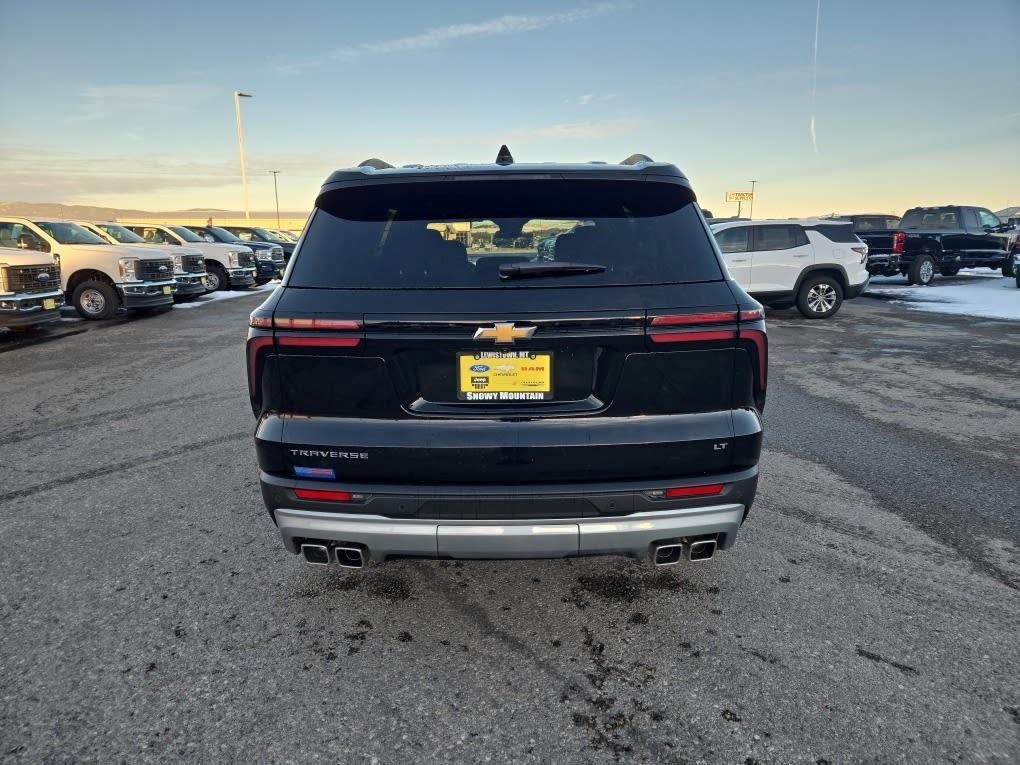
x=315, y=555
x=668, y=554
x=351, y=557
x=701, y=549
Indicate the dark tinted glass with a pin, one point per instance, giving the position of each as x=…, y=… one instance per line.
x=837, y=233
x=459, y=233
x=736, y=239
x=875, y=223
x=779, y=237
x=936, y=219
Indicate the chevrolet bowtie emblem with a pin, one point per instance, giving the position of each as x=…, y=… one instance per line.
x=504, y=333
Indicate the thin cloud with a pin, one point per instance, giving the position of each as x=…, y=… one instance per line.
x=142, y=101
x=508, y=24
x=590, y=98
x=560, y=131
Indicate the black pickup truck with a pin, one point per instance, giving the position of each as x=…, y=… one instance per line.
x=930, y=240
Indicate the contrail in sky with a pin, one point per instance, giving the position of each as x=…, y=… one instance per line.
x=814, y=78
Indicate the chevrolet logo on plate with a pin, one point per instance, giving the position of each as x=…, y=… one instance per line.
x=504, y=333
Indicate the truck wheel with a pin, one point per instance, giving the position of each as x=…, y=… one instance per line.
x=1017, y=275
x=949, y=270
x=1007, y=267
x=218, y=279
x=922, y=270
x=95, y=300
x=819, y=297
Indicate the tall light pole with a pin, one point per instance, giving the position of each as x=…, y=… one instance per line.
x=238, y=95
x=276, y=196
x=751, y=214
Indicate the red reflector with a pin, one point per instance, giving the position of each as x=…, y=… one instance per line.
x=326, y=324
x=693, y=337
x=753, y=315
x=322, y=342
x=707, y=490
x=721, y=317
x=326, y=496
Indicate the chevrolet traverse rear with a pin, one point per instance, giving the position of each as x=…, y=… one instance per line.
x=507, y=361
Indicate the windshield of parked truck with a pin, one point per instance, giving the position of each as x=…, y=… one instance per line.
x=935, y=219
x=69, y=233
x=121, y=234
x=268, y=235
x=186, y=234
x=222, y=235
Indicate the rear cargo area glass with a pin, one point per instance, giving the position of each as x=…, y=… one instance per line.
x=458, y=234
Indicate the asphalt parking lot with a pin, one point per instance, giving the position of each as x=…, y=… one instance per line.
x=869, y=612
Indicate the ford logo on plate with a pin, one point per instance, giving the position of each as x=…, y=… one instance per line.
x=479, y=368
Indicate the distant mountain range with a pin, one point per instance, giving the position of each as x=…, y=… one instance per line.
x=88, y=212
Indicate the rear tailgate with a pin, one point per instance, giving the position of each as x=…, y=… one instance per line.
x=620, y=405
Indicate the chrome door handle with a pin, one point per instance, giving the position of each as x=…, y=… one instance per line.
x=800, y=255
x=739, y=260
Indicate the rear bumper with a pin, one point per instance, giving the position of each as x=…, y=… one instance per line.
x=855, y=290
x=884, y=264
x=632, y=535
x=508, y=521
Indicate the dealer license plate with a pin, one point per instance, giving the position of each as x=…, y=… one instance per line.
x=49, y=304
x=498, y=376
x=168, y=290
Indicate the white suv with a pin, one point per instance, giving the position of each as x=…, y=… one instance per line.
x=813, y=264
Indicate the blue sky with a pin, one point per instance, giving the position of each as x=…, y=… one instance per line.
x=914, y=101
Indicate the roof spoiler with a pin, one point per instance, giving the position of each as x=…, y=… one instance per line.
x=637, y=159
x=376, y=164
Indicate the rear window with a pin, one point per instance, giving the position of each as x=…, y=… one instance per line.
x=937, y=219
x=875, y=223
x=475, y=233
x=835, y=232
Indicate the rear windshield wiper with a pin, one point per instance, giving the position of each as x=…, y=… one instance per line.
x=535, y=270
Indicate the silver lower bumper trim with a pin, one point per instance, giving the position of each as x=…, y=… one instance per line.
x=627, y=535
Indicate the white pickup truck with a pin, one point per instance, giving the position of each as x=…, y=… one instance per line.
x=29, y=288
x=98, y=277
x=189, y=263
x=227, y=265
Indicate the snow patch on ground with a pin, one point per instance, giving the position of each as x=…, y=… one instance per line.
x=971, y=293
x=213, y=297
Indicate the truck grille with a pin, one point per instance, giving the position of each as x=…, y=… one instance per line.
x=277, y=253
x=149, y=270
x=193, y=264
x=246, y=260
x=26, y=278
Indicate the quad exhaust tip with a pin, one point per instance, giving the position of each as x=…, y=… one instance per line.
x=667, y=554
x=702, y=549
x=350, y=557
x=316, y=555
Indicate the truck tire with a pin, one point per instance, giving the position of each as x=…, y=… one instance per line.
x=218, y=279
x=922, y=270
x=949, y=270
x=1007, y=266
x=95, y=300
x=819, y=297
x=1017, y=275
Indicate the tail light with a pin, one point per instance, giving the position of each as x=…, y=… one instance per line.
x=689, y=327
x=256, y=344
x=899, y=240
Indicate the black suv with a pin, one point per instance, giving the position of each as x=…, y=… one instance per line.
x=427, y=385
